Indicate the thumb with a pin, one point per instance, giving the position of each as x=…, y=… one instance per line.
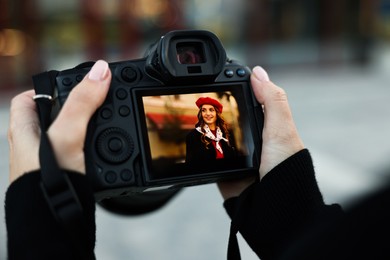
x=277, y=111
x=267, y=93
x=67, y=133
x=87, y=96
x=280, y=136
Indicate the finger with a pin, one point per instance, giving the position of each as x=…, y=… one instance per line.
x=277, y=111
x=280, y=136
x=67, y=133
x=267, y=93
x=85, y=98
x=23, y=135
x=23, y=110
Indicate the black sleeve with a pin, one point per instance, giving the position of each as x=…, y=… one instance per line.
x=269, y=214
x=190, y=148
x=32, y=230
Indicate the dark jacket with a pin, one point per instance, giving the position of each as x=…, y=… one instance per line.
x=199, y=156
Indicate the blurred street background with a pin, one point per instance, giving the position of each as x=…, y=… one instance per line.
x=331, y=56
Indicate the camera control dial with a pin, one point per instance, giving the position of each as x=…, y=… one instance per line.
x=114, y=145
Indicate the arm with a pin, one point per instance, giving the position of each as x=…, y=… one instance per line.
x=32, y=231
x=272, y=213
x=280, y=136
x=189, y=148
x=272, y=210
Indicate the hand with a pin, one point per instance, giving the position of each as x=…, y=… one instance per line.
x=280, y=136
x=67, y=132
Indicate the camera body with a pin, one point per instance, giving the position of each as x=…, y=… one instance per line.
x=135, y=142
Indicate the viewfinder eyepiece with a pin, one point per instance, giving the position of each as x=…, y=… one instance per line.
x=190, y=53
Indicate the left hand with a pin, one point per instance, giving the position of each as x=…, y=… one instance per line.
x=67, y=132
x=23, y=135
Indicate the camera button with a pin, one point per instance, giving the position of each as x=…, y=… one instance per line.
x=110, y=177
x=67, y=82
x=241, y=72
x=129, y=74
x=79, y=78
x=229, y=73
x=124, y=110
x=106, y=113
x=126, y=175
x=121, y=94
x=115, y=144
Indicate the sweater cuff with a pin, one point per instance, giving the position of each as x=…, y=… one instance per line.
x=28, y=214
x=295, y=175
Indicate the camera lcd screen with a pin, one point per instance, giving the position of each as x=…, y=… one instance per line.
x=175, y=148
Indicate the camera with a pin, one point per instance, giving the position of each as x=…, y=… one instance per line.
x=135, y=150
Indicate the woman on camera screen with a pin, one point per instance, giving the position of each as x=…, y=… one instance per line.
x=210, y=143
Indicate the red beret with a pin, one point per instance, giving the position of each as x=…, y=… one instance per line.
x=206, y=100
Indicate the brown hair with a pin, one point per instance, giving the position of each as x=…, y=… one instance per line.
x=221, y=123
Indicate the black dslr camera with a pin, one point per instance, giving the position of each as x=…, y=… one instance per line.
x=135, y=148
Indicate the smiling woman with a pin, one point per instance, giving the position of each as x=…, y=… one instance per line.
x=210, y=141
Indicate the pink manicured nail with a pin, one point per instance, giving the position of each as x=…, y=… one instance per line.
x=260, y=73
x=98, y=71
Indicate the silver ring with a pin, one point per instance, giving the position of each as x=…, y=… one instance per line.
x=42, y=96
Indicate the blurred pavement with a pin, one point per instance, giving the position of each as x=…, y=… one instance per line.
x=343, y=116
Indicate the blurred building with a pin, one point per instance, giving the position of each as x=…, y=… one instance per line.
x=312, y=32
x=36, y=35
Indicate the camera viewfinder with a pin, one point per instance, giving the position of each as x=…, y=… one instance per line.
x=190, y=53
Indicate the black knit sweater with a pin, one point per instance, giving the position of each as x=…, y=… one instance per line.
x=33, y=232
x=284, y=217
x=281, y=217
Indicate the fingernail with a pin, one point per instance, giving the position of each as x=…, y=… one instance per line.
x=260, y=73
x=98, y=71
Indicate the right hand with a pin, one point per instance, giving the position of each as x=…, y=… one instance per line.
x=280, y=136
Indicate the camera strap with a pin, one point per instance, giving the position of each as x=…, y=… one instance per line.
x=237, y=219
x=233, y=247
x=57, y=189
